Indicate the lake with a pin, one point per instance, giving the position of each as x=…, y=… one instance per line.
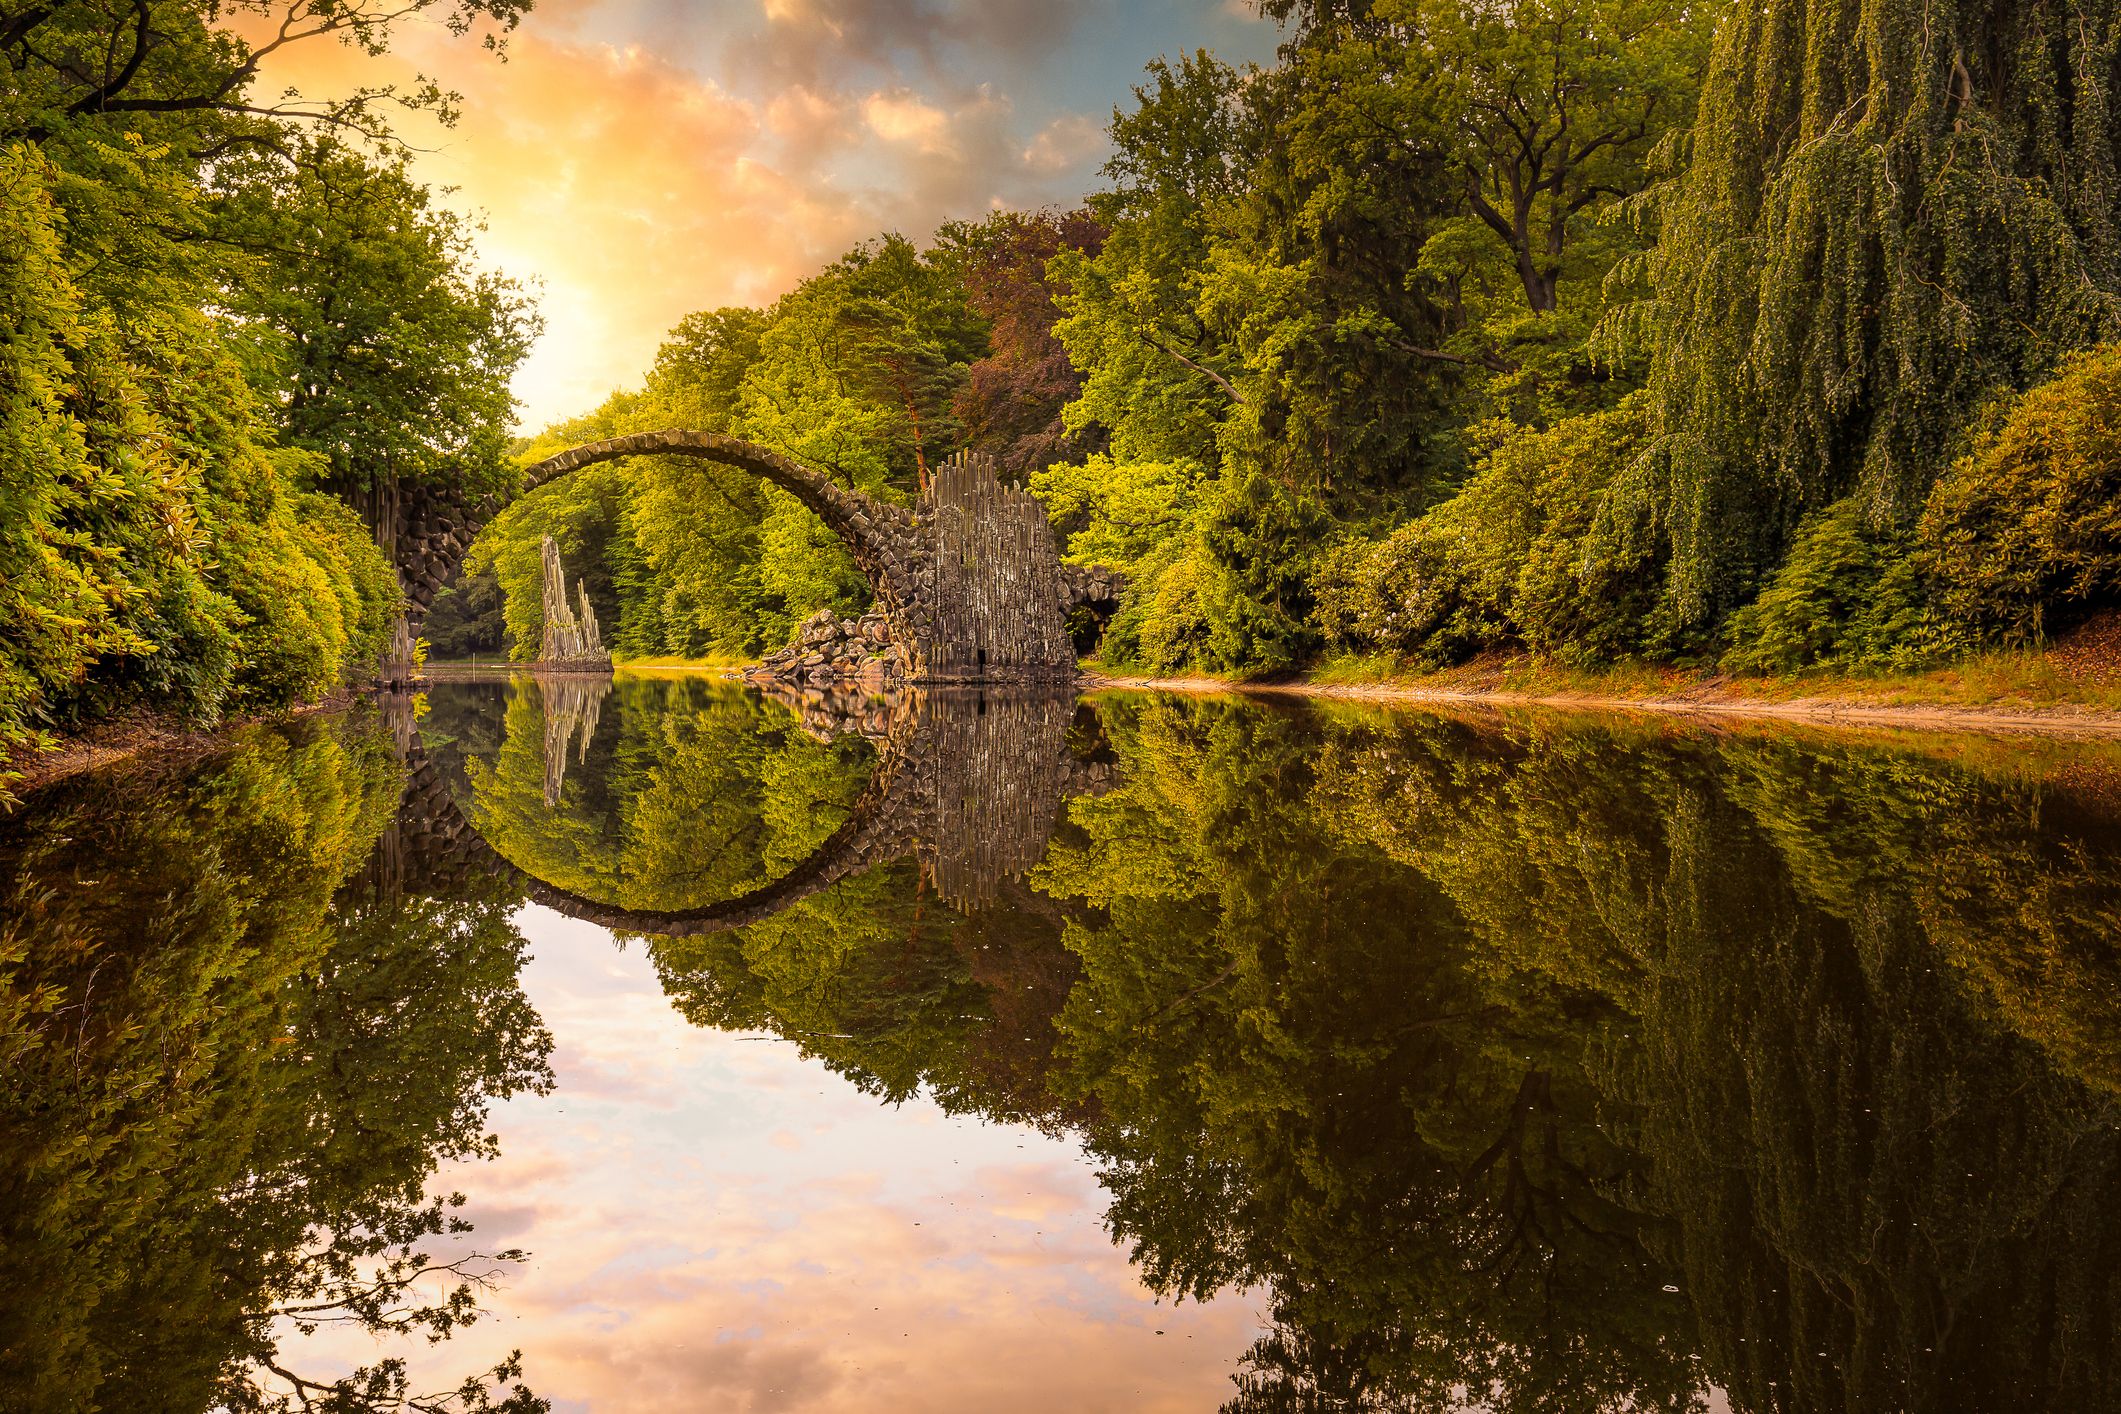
x=1129, y=1052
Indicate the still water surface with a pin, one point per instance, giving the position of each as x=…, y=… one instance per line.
x=1127, y=1053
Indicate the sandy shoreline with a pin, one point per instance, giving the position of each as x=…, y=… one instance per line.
x=114, y=742
x=2060, y=721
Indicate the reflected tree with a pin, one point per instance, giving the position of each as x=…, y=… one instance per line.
x=1525, y=1065
x=1311, y=1079
x=1874, y=1115
x=689, y=795
x=230, y=1066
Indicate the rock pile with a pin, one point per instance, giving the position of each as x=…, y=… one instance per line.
x=831, y=650
x=839, y=709
x=1093, y=586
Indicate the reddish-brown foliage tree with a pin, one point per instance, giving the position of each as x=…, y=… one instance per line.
x=1011, y=404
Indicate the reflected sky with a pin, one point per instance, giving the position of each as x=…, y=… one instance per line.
x=716, y=1222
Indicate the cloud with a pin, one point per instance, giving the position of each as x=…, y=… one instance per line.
x=903, y=118
x=805, y=39
x=769, y=1282
x=684, y=1256
x=642, y=159
x=1065, y=144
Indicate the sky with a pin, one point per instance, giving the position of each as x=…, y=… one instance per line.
x=716, y=1223
x=641, y=159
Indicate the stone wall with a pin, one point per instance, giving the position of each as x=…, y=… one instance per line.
x=995, y=581
x=1095, y=587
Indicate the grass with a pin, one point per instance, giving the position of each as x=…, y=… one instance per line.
x=716, y=662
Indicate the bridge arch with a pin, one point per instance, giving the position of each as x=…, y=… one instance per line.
x=429, y=535
x=969, y=581
x=881, y=537
x=967, y=784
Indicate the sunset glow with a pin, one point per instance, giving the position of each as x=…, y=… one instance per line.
x=641, y=160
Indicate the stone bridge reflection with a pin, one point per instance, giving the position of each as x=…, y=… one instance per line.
x=967, y=782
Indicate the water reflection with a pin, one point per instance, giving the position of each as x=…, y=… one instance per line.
x=967, y=784
x=572, y=703
x=1524, y=1064
x=232, y=1054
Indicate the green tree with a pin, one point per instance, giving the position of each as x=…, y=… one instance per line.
x=164, y=552
x=1152, y=372
x=1892, y=213
x=859, y=366
x=373, y=342
x=164, y=547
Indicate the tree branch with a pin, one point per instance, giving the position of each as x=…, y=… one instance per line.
x=1208, y=373
x=1488, y=359
x=17, y=29
x=113, y=85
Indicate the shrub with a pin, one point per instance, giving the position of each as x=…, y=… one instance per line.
x=1165, y=630
x=1848, y=595
x=1218, y=570
x=1406, y=595
x=1511, y=557
x=2025, y=529
x=317, y=599
x=66, y=514
x=188, y=660
x=1590, y=587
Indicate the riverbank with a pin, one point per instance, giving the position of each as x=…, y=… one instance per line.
x=2071, y=689
x=135, y=734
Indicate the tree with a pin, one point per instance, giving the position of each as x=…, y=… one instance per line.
x=164, y=546
x=859, y=366
x=1013, y=402
x=1527, y=122
x=1547, y=108
x=1150, y=365
x=372, y=339
x=157, y=549
x=1313, y=284
x=1893, y=212
x=182, y=63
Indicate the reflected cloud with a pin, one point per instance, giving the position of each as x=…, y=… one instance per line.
x=690, y=1252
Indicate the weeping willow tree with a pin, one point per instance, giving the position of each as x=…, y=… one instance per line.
x=1895, y=209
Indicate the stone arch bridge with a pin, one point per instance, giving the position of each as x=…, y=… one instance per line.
x=969, y=580
x=968, y=785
